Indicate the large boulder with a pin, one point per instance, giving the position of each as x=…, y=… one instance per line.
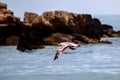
x=30, y=18
x=107, y=30
x=29, y=41
x=93, y=29
x=64, y=22
x=3, y=5
x=85, y=39
x=51, y=27
x=57, y=38
x=12, y=40
x=9, y=25
x=116, y=34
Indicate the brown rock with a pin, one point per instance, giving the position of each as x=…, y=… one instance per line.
x=29, y=18
x=85, y=39
x=52, y=27
x=29, y=41
x=107, y=30
x=56, y=38
x=9, y=26
x=116, y=34
x=12, y=40
x=64, y=22
x=5, y=11
x=3, y=5
x=93, y=29
x=59, y=21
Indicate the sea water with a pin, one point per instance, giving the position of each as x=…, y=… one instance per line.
x=87, y=62
x=113, y=20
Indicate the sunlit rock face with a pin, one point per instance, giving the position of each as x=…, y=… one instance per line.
x=64, y=22
x=9, y=26
x=50, y=28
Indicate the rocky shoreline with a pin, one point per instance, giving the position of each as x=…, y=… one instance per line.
x=51, y=28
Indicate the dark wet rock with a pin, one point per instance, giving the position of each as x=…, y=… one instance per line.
x=59, y=21
x=105, y=42
x=85, y=39
x=57, y=38
x=64, y=22
x=93, y=29
x=29, y=41
x=12, y=40
x=116, y=34
x=52, y=22
x=9, y=26
x=50, y=28
x=107, y=30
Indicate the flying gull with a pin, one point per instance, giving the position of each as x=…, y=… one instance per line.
x=64, y=46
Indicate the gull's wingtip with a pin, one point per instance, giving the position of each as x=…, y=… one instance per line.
x=56, y=57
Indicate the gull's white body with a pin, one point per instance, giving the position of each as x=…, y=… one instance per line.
x=63, y=46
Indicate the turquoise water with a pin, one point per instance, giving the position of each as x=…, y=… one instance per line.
x=88, y=62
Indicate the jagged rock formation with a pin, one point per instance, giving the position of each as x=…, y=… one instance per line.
x=8, y=25
x=64, y=22
x=50, y=28
x=58, y=21
x=29, y=41
x=59, y=26
x=107, y=31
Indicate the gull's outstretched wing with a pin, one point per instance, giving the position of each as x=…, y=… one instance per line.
x=63, y=46
x=60, y=50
